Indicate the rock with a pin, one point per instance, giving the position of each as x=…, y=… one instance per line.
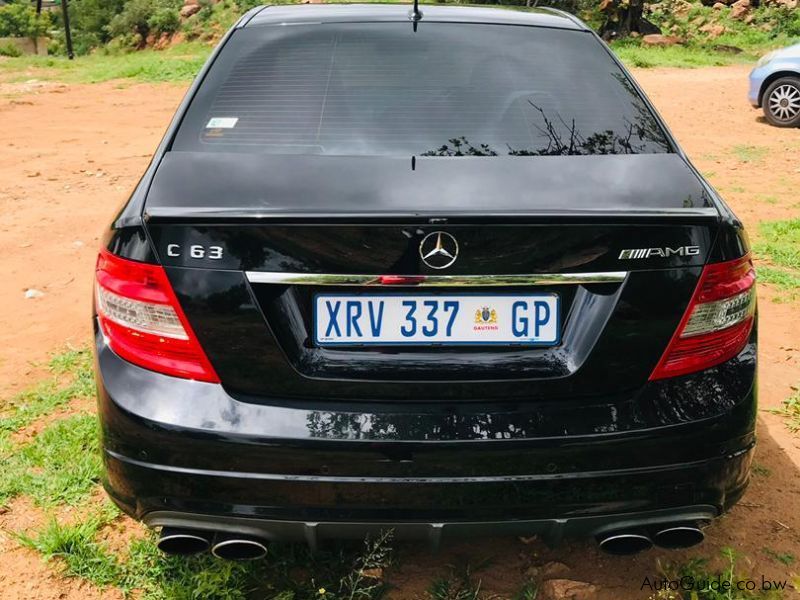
x=32, y=293
x=740, y=9
x=713, y=30
x=656, y=39
x=719, y=6
x=189, y=10
x=566, y=589
x=698, y=21
x=162, y=42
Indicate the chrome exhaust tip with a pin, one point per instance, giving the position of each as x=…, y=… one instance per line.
x=183, y=542
x=678, y=535
x=624, y=543
x=238, y=547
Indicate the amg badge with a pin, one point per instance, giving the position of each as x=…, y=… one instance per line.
x=637, y=253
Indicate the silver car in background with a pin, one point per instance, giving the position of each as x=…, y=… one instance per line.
x=775, y=86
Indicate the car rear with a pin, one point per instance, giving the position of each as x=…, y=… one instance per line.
x=433, y=276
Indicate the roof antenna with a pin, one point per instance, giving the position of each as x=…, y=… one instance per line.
x=415, y=14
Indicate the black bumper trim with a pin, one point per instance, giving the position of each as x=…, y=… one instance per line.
x=552, y=531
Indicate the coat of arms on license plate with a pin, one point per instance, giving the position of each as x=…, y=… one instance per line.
x=485, y=316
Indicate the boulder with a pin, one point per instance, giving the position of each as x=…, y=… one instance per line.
x=190, y=9
x=740, y=9
x=719, y=6
x=712, y=30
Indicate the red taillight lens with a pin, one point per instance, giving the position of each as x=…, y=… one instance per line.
x=143, y=322
x=717, y=323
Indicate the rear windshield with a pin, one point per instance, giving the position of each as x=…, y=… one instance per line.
x=448, y=89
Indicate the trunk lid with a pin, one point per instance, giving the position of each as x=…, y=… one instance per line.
x=221, y=223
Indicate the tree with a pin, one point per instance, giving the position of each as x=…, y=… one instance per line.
x=623, y=17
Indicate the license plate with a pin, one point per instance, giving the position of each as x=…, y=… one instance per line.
x=391, y=320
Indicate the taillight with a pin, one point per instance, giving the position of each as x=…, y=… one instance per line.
x=143, y=322
x=717, y=323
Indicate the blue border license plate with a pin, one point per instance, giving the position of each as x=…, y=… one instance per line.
x=441, y=319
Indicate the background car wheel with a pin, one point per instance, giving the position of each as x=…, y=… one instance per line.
x=782, y=102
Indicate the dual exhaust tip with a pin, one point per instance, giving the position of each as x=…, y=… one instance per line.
x=671, y=536
x=185, y=542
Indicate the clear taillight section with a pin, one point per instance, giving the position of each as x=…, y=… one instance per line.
x=718, y=315
x=158, y=319
x=143, y=322
x=717, y=323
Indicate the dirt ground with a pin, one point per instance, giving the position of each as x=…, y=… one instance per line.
x=70, y=154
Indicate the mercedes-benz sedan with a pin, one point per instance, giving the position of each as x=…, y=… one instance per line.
x=442, y=272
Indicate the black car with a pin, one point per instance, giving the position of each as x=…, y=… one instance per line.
x=444, y=272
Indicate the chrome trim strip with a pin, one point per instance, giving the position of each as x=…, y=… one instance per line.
x=437, y=280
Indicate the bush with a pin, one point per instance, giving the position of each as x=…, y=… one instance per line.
x=21, y=20
x=89, y=20
x=9, y=49
x=164, y=20
x=140, y=18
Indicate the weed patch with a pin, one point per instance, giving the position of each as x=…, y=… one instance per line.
x=288, y=572
x=791, y=411
x=60, y=466
x=785, y=558
x=749, y=154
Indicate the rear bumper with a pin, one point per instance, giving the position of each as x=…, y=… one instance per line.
x=187, y=453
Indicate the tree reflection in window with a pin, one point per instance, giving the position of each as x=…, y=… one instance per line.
x=641, y=135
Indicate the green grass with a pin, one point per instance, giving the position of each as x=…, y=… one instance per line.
x=778, y=245
x=780, y=242
x=634, y=55
x=60, y=466
x=786, y=281
x=75, y=545
x=179, y=63
x=47, y=396
x=288, y=573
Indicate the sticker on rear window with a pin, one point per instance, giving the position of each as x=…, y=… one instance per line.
x=222, y=122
